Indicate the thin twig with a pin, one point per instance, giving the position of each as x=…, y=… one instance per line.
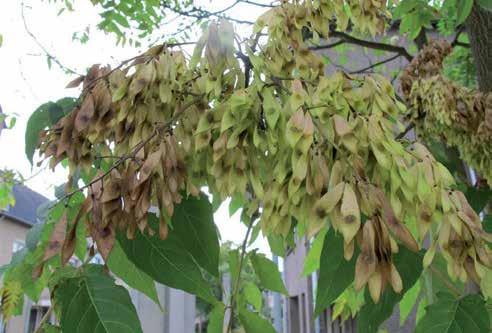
x=376, y=64
x=41, y=46
x=44, y=320
x=235, y=288
x=257, y=4
x=405, y=131
x=200, y=14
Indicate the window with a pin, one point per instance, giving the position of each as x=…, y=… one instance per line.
x=37, y=313
x=17, y=245
x=295, y=322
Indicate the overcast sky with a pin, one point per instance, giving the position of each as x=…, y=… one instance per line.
x=26, y=81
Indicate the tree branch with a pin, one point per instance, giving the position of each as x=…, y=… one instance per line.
x=456, y=41
x=382, y=62
x=372, y=45
x=327, y=46
x=405, y=131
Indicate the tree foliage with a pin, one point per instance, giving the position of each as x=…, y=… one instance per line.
x=260, y=121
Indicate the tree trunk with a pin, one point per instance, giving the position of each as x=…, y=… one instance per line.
x=479, y=28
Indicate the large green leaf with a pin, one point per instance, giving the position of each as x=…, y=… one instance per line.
x=268, y=273
x=166, y=261
x=193, y=223
x=123, y=268
x=92, y=302
x=371, y=315
x=311, y=263
x=253, y=323
x=335, y=273
x=216, y=319
x=450, y=315
x=44, y=116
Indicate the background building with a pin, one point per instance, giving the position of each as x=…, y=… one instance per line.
x=178, y=314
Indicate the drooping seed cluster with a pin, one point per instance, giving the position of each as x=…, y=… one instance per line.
x=313, y=150
x=441, y=108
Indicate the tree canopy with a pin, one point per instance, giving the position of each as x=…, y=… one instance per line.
x=301, y=151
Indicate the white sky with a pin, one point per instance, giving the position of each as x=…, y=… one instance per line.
x=26, y=81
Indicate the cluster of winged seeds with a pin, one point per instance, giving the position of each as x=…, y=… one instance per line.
x=441, y=108
x=313, y=150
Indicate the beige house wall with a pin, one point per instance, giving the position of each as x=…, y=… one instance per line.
x=10, y=231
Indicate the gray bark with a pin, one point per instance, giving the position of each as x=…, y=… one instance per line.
x=479, y=28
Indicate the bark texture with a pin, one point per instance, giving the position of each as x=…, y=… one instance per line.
x=479, y=27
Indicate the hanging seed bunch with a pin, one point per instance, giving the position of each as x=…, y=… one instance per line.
x=312, y=149
x=441, y=108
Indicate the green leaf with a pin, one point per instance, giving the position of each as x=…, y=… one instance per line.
x=236, y=203
x=404, y=7
x=487, y=223
x=233, y=260
x=166, y=261
x=3, y=269
x=92, y=302
x=33, y=235
x=311, y=263
x=123, y=268
x=478, y=197
x=216, y=319
x=409, y=265
x=464, y=9
x=44, y=116
x=193, y=223
x=120, y=19
x=408, y=302
x=449, y=315
x=335, y=273
x=48, y=328
x=268, y=273
x=253, y=295
x=81, y=241
x=486, y=284
x=487, y=4
x=1, y=40
x=277, y=245
x=253, y=323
